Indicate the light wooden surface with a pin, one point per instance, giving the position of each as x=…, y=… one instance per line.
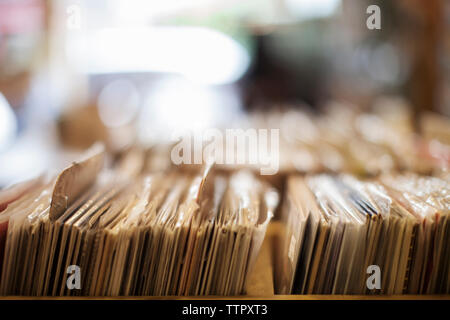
x=261, y=282
x=274, y=297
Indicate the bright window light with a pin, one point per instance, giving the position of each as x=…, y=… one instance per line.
x=118, y=103
x=175, y=104
x=8, y=124
x=307, y=9
x=201, y=55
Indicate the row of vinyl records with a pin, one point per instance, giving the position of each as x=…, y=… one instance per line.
x=185, y=233
x=337, y=227
x=161, y=234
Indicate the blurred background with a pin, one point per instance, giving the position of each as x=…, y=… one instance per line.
x=73, y=72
